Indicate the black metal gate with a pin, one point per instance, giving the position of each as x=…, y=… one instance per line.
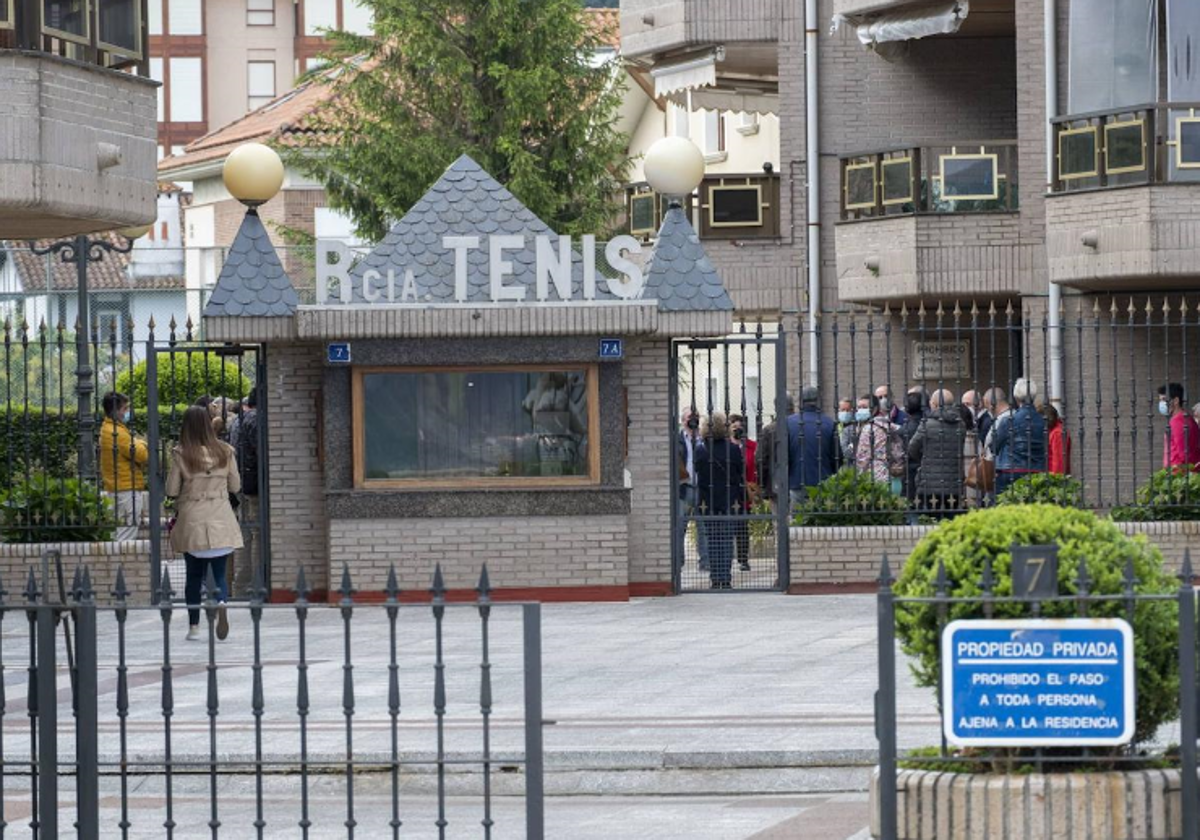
x=178, y=375
x=730, y=519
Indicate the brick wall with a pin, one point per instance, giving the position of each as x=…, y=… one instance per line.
x=102, y=560
x=298, y=520
x=837, y=557
x=647, y=384
x=520, y=552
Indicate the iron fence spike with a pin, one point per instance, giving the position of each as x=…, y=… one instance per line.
x=988, y=580
x=885, y=571
x=1130, y=576
x=942, y=581
x=1185, y=573
x=77, y=581
x=86, y=593
x=1084, y=580
x=301, y=585
x=165, y=591
x=438, y=590
x=3, y=591
x=31, y=590
x=485, y=585
x=346, y=589
x=392, y=587
x=120, y=590
x=210, y=583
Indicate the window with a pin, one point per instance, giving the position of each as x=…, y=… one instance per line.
x=260, y=83
x=154, y=16
x=186, y=89
x=185, y=17
x=1113, y=54
x=260, y=12
x=681, y=119
x=748, y=123
x=738, y=205
x=969, y=177
x=471, y=427
x=356, y=18
x=714, y=133
x=319, y=15
x=156, y=73
x=119, y=27
x=67, y=19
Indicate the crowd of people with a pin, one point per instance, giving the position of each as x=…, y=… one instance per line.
x=213, y=472
x=944, y=453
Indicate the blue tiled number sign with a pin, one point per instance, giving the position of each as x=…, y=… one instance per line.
x=338, y=353
x=1038, y=682
x=611, y=348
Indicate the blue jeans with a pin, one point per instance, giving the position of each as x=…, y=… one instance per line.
x=688, y=504
x=197, y=574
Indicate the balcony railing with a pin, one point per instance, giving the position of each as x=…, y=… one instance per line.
x=1144, y=144
x=109, y=33
x=730, y=207
x=967, y=177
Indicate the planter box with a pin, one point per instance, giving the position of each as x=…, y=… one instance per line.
x=1135, y=805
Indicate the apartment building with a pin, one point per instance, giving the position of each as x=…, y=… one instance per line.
x=969, y=192
x=220, y=59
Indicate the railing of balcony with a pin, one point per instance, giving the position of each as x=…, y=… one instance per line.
x=108, y=33
x=1143, y=144
x=967, y=177
x=731, y=206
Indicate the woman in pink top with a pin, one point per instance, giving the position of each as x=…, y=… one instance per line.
x=1182, y=445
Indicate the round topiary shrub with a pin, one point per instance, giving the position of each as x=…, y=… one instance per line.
x=964, y=544
x=185, y=377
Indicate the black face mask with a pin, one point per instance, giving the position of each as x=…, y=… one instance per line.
x=737, y=434
x=693, y=423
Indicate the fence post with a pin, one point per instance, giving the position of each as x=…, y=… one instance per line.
x=779, y=467
x=885, y=704
x=535, y=820
x=153, y=468
x=87, y=774
x=1187, y=699
x=47, y=701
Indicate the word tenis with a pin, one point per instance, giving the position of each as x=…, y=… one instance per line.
x=552, y=270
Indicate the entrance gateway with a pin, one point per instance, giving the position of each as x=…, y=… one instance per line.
x=479, y=389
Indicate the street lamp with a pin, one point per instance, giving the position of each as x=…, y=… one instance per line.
x=674, y=167
x=81, y=251
x=253, y=174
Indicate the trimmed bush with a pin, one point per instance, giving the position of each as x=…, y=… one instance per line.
x=1171, y=495
x=47, y=509
x=963, y=544
x=849, y=497
x=185, y=377
x=1043, y=489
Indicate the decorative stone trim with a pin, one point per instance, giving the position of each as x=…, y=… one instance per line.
x=253, y=329
x=1135, y=805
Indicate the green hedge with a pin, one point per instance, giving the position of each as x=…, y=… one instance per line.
x=848, y=498
x=1171, y=495
x=43, y=508
x=963, y=545
x=1043, y=489
x=185, y=377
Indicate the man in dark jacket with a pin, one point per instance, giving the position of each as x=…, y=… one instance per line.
x=246, y=452
x=938, y=447
x=914, y=410
x=721, y=479
x=766, y=456
x=812, y=446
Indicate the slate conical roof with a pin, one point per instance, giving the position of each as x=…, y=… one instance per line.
x=252, y=280
x=679, y=274
x=465, y=201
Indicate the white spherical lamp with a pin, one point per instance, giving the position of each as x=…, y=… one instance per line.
x=253, y=174
x=674, y=166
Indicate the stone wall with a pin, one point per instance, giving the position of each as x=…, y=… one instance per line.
x=832, y=559
x=102, y=560
x=583, y=555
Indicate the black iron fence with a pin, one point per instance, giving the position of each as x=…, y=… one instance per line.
x=178, y=737
x=939, y=409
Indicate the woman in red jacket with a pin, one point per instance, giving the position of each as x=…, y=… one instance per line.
x=1058, y=448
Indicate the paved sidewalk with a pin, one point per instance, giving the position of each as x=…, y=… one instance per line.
x=733, y=695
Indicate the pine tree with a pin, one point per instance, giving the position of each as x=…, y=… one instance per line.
x=513, y=83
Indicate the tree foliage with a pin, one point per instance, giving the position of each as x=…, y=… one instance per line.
x=513, y=83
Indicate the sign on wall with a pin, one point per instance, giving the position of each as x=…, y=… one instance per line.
x=1038, y=682
x=338, y=353
x=611, y=349
x=938, y=360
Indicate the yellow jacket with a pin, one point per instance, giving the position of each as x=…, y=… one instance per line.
x=130, y=455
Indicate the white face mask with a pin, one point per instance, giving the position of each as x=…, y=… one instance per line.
x=862, y=415
x=1163, y=408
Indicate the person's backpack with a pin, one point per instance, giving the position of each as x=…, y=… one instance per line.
x=247, y=453
x=897, y=453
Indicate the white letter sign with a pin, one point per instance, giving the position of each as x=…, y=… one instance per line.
x=633, y=284
x=460, y=244
x=551, y=267
x=499, y=268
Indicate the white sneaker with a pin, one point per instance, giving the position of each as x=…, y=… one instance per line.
x=194, y=633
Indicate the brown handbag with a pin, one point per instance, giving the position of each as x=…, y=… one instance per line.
x=981, y=474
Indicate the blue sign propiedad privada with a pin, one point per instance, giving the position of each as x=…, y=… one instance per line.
x=1038, y=682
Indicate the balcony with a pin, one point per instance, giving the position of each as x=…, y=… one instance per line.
x=1125, y=201
x=658, y=26
x=80, y=114
x=935, y=220
x=727, y=207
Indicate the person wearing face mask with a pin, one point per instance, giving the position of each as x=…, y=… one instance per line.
x=895, y=416
x=737, y=435
x=1181, y=448
x=123, y=459
x=847, y=430
x=689, y=493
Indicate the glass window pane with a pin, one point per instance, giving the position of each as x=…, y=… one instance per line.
x=860, y=186
x=736, y=206
x=69, y=16
x=897, y=181
x=356, y=18
x=154, y=16
x=641, y=213
x=260, y=78
x=119, y=24
x=1189, y=142
x=187, y=90
x=968, y=176
x=319, y=15
x=1183, y=41
x=1113, y=54
x=1077, y=153
x=185, y=17
x=475, y=424
x=1125, y=147
x=156, y=73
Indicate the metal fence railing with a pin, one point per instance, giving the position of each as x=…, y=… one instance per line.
x=940, y=409
x=343, y=703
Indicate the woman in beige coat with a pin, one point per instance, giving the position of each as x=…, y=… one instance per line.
x=203, y=474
